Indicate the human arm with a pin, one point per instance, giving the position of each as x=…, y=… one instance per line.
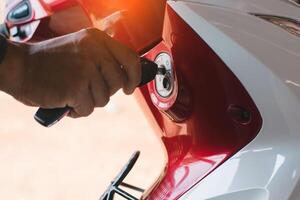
x=80, y=70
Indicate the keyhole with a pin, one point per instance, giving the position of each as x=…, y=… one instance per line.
x=166, y=83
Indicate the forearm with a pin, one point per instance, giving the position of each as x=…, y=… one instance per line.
x=11, y=62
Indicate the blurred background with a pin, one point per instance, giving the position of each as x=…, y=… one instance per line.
x=75, y=159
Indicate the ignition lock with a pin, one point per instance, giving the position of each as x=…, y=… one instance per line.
x=164, y=81
x=168, y=91
x=164, y=89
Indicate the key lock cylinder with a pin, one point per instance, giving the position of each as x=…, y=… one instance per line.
x=167, y=94
x=163, y=90
x=164, y=80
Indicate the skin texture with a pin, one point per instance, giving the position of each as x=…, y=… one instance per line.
x=80, y=70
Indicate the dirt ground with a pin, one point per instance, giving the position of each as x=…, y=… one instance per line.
x=76, y=159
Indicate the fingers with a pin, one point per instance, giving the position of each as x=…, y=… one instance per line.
x=119, y=65
x=88, y=68
x=129, y=60
x=85, y=106
x=99, y=90
x=112, y=73
x=94, y=93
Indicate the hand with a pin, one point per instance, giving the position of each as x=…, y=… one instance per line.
x=80, y=70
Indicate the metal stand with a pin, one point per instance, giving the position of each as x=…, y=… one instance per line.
x=113, y=188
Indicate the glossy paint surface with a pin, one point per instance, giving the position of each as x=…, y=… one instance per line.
x=285, y=8
x=266, y=60
x=56, y=5
x=43, y=15
x=206, y=134
x=135, y=24
x=138, y=25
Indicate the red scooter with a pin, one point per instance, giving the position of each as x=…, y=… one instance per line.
x=197, y=106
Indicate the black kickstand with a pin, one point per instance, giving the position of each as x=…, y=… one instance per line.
x=113, y=188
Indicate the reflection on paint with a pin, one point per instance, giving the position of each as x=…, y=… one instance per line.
x=279, y=161
x=292, y=83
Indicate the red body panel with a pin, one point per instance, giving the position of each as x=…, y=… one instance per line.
x=139, y=25
x=56, y=5
x=206, y=134
x=133, y=23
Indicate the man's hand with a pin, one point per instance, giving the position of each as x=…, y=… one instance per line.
x=80, y=70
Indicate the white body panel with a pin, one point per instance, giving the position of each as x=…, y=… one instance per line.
x=266, y=59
